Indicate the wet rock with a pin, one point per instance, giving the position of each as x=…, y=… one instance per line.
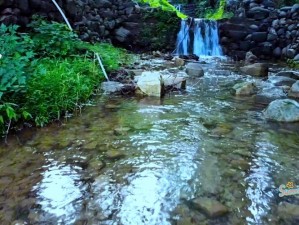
x=112, y=106
x=250, y=58
x=290, y=74
x=150, y=83
x=283, y=110
x=178, y=62
x=96, y=165
x=177, y=80
x=222, y=129
x=288, y=211
x=194, y=70
x=111, y=87
x=114, y=155
x=256, y=69
x=210, y=207
x=245, y=88
x=281, y=81
x=294, y=92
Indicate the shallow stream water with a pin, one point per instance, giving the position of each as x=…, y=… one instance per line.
x=133, y=161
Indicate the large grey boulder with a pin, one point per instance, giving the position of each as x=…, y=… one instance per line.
x=290, y=74
x=256, y=69
x=283, y=110
x=245, y=88
x=194, y=70
x=294, y=92
x=281, y=81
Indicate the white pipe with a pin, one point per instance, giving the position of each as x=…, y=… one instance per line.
x=63, y=15
x=101, y=64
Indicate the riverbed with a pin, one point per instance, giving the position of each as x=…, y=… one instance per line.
x=144, y=160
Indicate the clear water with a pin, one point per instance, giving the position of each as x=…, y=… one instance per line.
x=201, y=143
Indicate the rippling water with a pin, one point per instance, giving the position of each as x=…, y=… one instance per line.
x=143, y=161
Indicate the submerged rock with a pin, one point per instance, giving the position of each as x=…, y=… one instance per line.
x=288, y=211
x=290, y=74
x=256, y=69
x=194, y=70
x=245, y=88
x=114, y=154
x=283, y=110
x=178, y=62
x=210, y=207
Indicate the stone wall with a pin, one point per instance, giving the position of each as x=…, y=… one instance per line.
x=265, y=31
x=118, y=21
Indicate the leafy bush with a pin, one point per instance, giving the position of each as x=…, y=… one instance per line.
x=49, y=72
x=52, y=38
x=59, y=85
x=16, y=56
x=164, y=5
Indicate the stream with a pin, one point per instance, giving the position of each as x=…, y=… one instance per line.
x=134, y=161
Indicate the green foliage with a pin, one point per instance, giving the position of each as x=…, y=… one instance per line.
x=52, y=38
x=16, y=54
x=165, y=6
x=292, y=63
x=219, y=13
x=163, y=27
x=49, y=72
x=112, y=57
x=59, y=85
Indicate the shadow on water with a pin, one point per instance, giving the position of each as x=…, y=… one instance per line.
x=155, y=161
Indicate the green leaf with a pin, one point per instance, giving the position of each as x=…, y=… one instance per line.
x=1, y=120
x=11, y=113
x=26, y=115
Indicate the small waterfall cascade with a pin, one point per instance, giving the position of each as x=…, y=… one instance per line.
x=183, y=39
x=199, y=37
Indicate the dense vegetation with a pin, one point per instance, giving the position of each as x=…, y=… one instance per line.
x=48, y=72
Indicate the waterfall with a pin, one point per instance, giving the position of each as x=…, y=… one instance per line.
x=183, y=40
x=205, y=41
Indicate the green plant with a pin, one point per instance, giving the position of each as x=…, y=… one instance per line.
x=292, y=63
x=59, y=85
x=160, y=28
x=52, y=38
x=219, y=13
x=165, y=6
x=112, y=57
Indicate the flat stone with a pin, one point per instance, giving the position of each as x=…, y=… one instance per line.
x=114, y=155
x=210, y=207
